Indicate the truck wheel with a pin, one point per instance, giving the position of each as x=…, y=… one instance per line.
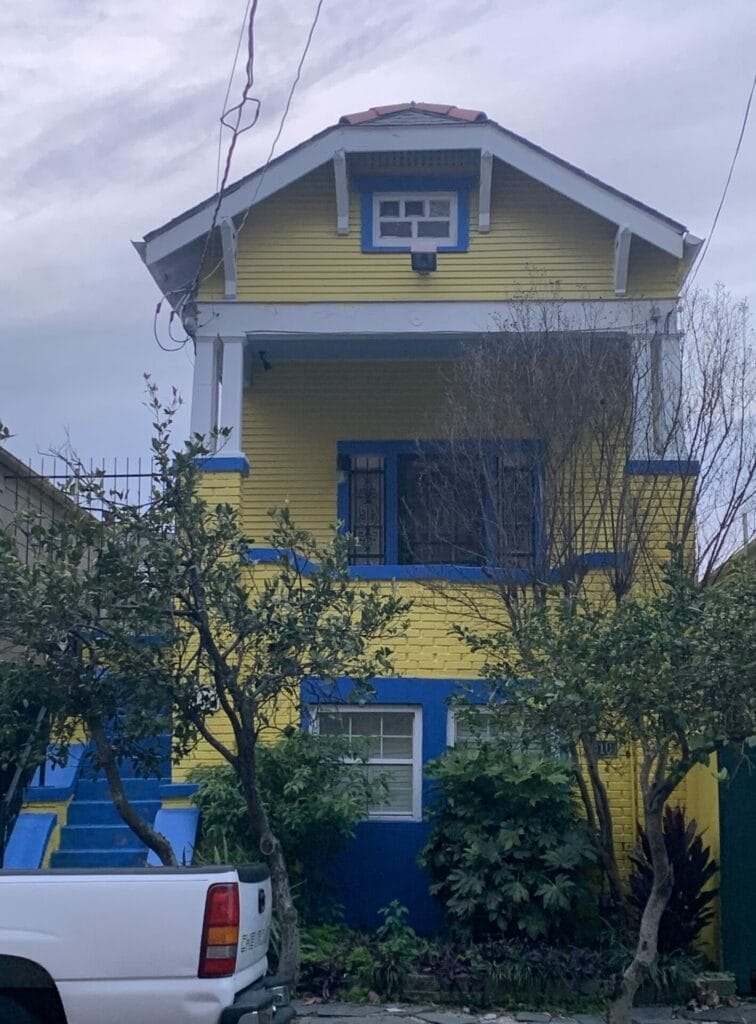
x=13, y=1012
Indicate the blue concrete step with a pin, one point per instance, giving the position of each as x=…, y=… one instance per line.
x=135, y=789
x=98, y=837
x=99, y=858
x=102, y=812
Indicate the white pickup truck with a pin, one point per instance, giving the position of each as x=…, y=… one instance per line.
x=138, y=946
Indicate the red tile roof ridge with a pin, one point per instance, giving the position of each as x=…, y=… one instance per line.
x=458, y=113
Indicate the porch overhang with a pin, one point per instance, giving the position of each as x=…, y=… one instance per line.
x=414, y=330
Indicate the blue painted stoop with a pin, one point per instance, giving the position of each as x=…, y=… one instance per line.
x=94, y=835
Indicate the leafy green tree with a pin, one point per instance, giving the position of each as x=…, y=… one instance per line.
x=151, y=619
x=508, y=852
x=315, y=790
x=72, y=610
x=673, y=675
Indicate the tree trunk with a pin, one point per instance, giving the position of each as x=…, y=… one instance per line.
x=283, y=903
x=107, y=760
x=648, y=933
x=603, y=815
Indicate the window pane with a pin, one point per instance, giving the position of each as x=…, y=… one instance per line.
x=366, y=508
x=389, y=208
x=396, y=229
x=397, y=723
x=366, y=723
x=333, y=724
x=414, y=208
x=398, y=777
x=440, y=512
x=397, y=746
x=468, y=728
x=433, y=229
x=439, y=208
x=516, y=516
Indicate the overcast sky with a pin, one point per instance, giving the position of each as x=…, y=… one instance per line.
x=109, y=121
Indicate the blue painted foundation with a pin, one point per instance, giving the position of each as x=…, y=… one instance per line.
x=380, y=863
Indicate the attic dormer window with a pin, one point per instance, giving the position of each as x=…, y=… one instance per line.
x=399, y=210
x=412, y=215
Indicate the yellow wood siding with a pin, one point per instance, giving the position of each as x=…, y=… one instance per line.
x=541, y=245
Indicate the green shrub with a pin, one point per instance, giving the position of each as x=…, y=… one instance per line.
x=689, y=908
x=508, y=853
x=313, y=799
x=397, y=950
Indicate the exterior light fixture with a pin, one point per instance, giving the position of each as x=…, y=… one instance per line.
x=423, y=255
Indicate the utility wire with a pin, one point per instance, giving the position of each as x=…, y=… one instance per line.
x=726, y=186
x=191, y=289
x=228, y=93
x=279, y=132
x=232, y=118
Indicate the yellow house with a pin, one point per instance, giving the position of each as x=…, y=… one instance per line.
x=329, y=295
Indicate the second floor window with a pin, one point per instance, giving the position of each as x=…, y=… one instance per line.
x=436, y=507
x=400, y=217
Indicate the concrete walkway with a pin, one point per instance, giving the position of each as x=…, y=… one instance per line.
x=352, y=1013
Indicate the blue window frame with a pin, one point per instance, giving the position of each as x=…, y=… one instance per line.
x=430, y=208
x=413, y=504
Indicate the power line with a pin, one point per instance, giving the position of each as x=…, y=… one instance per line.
x=232, y=118
x=279, y=132
x=726, y=186
x=228, y=93
x=190, y=289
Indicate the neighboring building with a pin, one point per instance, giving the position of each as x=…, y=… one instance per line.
x=323, y=338
x=24, y=838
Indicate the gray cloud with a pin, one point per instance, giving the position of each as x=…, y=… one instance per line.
x=109, y=119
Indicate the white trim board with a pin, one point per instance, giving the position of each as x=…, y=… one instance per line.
x=257, y=320
x=532, y=161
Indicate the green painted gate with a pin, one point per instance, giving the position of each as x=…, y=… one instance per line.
x=737, y=802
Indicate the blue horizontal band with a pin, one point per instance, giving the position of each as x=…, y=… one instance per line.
x=451, y=573
x=662, y=467
x=224, y=464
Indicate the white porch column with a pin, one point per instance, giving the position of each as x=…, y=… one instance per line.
x=657, y=395
x=204, y=411
x=232, y=395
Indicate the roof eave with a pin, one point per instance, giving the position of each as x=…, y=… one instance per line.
x=575, y=184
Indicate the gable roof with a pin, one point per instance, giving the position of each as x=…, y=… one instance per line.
x=420, y=109
x=413, y=126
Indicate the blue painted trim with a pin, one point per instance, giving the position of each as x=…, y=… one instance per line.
x=179, y=825
x=223, y=464
x=60, y=780
x=369, y=184
x=177, y=790
x=391, y=510
x=452, y=573
x=28, y=842
x=662, y=467
x=390, y=450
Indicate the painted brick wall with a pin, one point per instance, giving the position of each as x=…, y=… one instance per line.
x=294, y=417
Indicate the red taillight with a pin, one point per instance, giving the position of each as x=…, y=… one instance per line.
x=220, y=931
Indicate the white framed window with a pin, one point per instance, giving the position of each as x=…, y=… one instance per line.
x=480, y=725
x=399, y=218
x=390, y=737
x=462, y=728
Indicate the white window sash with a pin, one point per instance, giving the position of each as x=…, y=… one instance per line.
x=416, y=761
x=395, y=242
